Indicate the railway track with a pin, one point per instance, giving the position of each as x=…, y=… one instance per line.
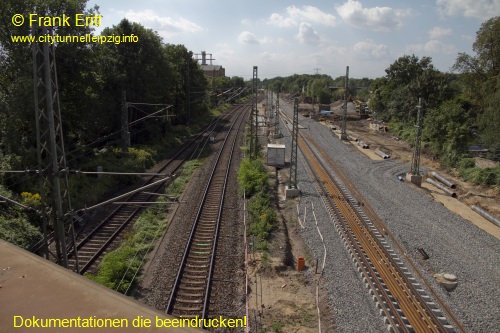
x=401, y=300
x=380, y=227
x=93, y=245
x=190, y=293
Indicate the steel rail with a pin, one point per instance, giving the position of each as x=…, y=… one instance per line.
x=358, y=254
x=201, y=209
x=381, y=261
x=382, y=229
x=418, y=313
x=383, y=297
x=219, y=218
x=190, y=148
x=416, y=310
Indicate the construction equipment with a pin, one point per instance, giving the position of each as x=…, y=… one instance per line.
x=361, y=107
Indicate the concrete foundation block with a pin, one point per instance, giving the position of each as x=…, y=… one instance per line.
x=291, y=193
x=415, y=179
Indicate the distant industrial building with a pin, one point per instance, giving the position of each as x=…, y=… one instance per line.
x=210, y=70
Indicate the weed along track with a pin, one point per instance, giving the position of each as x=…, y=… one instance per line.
x=105, y=235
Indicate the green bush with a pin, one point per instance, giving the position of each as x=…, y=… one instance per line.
x=466, y=163
x=20, y=232
x=254, y=181
x=118, y=268
x=482, y=176
x=252, y=177
x=262, y=217
x=144, y=159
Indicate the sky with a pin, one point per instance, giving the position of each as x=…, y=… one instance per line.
x=308, y=37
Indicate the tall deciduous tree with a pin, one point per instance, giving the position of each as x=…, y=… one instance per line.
x=188, y=78
x=481, y=78
x=17, y=116
x=140, y=69
x=408, y=79
x=447, y=129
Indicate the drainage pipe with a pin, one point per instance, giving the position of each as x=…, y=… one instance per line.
x=441, y=187
x=443, y=180
x=381, y=154
x=486, y=215
x=352, y=138
x=363, y=145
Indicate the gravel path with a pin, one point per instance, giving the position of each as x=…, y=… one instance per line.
x=454, y=244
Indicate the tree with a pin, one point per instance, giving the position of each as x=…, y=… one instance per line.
x=409, y=78
x=237, y=81
x=17, y=118
x=447, y=130
x=480, y=75
x=187, y=74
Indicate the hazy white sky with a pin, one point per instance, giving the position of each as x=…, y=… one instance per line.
x=285, y=37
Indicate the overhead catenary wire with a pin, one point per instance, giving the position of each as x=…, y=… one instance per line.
x=105, y=137
x=157, y=233
x=68, y=160
x=34, y=171
x=131, y=262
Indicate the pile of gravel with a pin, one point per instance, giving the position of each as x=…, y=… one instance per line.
x=417, y=221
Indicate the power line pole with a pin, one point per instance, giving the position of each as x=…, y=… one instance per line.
x=188, y=91
x=316, y=70
x=415, y=162
x=272, y=105
x=125, y=123
x=52, y=170
x=277, y=124
x=295, y=136
x=343, y=133
x=256, y=92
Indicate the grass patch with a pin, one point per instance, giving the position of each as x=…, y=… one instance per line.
x=277, y=326
x=119, y=268
x=254, y=182
x=480, y=176
x=176, y=188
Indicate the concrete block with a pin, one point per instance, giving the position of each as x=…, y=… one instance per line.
x=415, y=179
x=291, y=193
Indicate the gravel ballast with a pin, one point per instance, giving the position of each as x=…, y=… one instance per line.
x=417, y=221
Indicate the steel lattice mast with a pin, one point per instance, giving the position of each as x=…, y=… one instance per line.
x=343, y=129
x=277, y=116
x=256, y=92
x=293, y=154
x=415, y=163
x=57, y=226
x=272, y=105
